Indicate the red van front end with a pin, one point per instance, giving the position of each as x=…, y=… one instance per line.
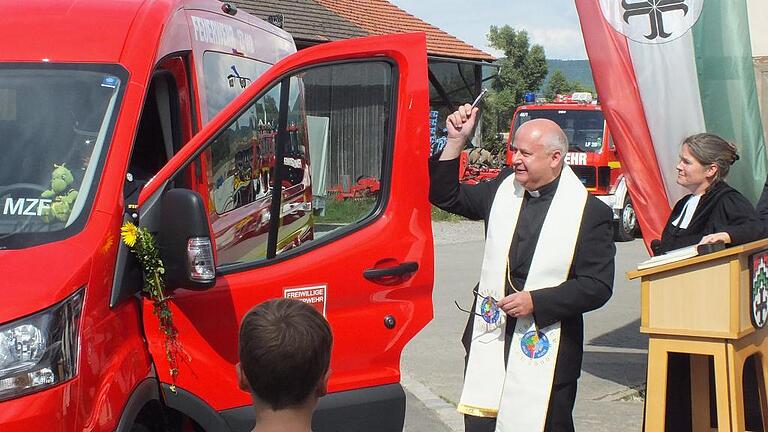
x=109, y=110
x=68, y=360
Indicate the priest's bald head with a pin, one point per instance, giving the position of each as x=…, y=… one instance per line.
x=540, y=147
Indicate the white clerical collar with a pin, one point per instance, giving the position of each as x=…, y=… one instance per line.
x=684, y=219
x=545, y=190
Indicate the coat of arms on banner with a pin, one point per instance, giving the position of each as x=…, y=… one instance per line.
x=652, y=21
x=759, y=298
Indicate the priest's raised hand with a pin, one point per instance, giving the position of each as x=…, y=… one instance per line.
x=460, y=125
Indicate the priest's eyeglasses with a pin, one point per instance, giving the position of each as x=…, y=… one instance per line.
x=489, y=309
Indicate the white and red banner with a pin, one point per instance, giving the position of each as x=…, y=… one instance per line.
x=667, y=69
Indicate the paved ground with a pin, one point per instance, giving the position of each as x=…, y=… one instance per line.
x=422, y=414
x=615, y=351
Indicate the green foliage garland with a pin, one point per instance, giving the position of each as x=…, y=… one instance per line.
x=142, y=244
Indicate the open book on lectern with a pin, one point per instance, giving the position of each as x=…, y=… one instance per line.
x=681, y=254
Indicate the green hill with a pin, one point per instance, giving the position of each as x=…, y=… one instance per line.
x=574, y=70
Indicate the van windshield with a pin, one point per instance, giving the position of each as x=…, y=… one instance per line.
x=55, y=125
x=584, y=128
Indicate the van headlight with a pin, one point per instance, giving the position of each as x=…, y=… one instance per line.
x=40, y=350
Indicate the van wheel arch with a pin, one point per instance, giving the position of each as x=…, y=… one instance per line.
x=145, y=394
x=146, y=411
x=138, y=427
x=194, y=408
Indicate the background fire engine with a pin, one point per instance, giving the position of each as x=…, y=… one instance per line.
x=592, y=154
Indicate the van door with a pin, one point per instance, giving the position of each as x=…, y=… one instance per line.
x=315, y=181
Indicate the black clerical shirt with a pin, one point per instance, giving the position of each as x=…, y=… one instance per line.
x=529, y=223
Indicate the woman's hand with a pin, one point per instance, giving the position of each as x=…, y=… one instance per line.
x=716, y=237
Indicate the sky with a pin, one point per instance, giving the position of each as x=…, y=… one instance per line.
x=552, y=24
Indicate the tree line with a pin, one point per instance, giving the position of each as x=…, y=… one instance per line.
x=522, y=68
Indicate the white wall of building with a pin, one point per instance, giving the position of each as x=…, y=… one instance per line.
x=758, y=15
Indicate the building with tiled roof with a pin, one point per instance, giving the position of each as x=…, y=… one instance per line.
x=317, y=21
x=309, y=22
x=382, y=17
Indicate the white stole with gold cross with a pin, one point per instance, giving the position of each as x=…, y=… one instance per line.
x=518, y=395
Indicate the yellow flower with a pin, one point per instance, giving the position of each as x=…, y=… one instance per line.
x=129, y=232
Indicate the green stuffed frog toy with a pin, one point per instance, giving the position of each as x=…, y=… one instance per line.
x=61, y=195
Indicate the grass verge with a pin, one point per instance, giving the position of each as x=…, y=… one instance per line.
x=443, y=216
x=346, y=211
x=352, y=210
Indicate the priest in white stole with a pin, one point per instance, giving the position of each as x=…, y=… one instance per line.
x=549, y=257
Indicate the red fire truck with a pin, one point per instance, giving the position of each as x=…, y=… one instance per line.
x=592, y=154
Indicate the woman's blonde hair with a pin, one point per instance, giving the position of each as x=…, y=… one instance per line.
x=709, y=149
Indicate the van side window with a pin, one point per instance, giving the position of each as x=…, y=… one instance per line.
x=340, y=114
x=239, y=167
x=270, y=192
x=158, y=133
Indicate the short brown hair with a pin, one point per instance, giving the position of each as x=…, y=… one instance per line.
x=285, y=350
x=710, y=149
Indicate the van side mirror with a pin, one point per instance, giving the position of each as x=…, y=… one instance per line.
x=185, y=241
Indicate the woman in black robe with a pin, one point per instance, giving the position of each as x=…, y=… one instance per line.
x=713, y=212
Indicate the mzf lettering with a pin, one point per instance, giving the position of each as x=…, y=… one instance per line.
x=218, y=33
x=25, y=206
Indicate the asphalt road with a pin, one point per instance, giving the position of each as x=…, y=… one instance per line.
x=615, y=351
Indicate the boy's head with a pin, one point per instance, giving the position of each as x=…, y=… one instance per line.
x=285, y=351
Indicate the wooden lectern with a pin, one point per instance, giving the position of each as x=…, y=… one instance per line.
x=704, y=306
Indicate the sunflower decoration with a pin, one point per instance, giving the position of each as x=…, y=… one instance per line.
x=129, y=233
x=143, y=245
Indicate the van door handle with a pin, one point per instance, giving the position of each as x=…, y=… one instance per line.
x=406, y=267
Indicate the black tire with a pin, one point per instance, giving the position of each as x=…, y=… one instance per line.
x=138, y=427
x=626, y=228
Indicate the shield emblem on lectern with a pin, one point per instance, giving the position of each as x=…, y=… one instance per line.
x=759, y=297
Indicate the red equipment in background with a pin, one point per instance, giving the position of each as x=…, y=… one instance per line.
x=472, y=173
x=363, y=188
